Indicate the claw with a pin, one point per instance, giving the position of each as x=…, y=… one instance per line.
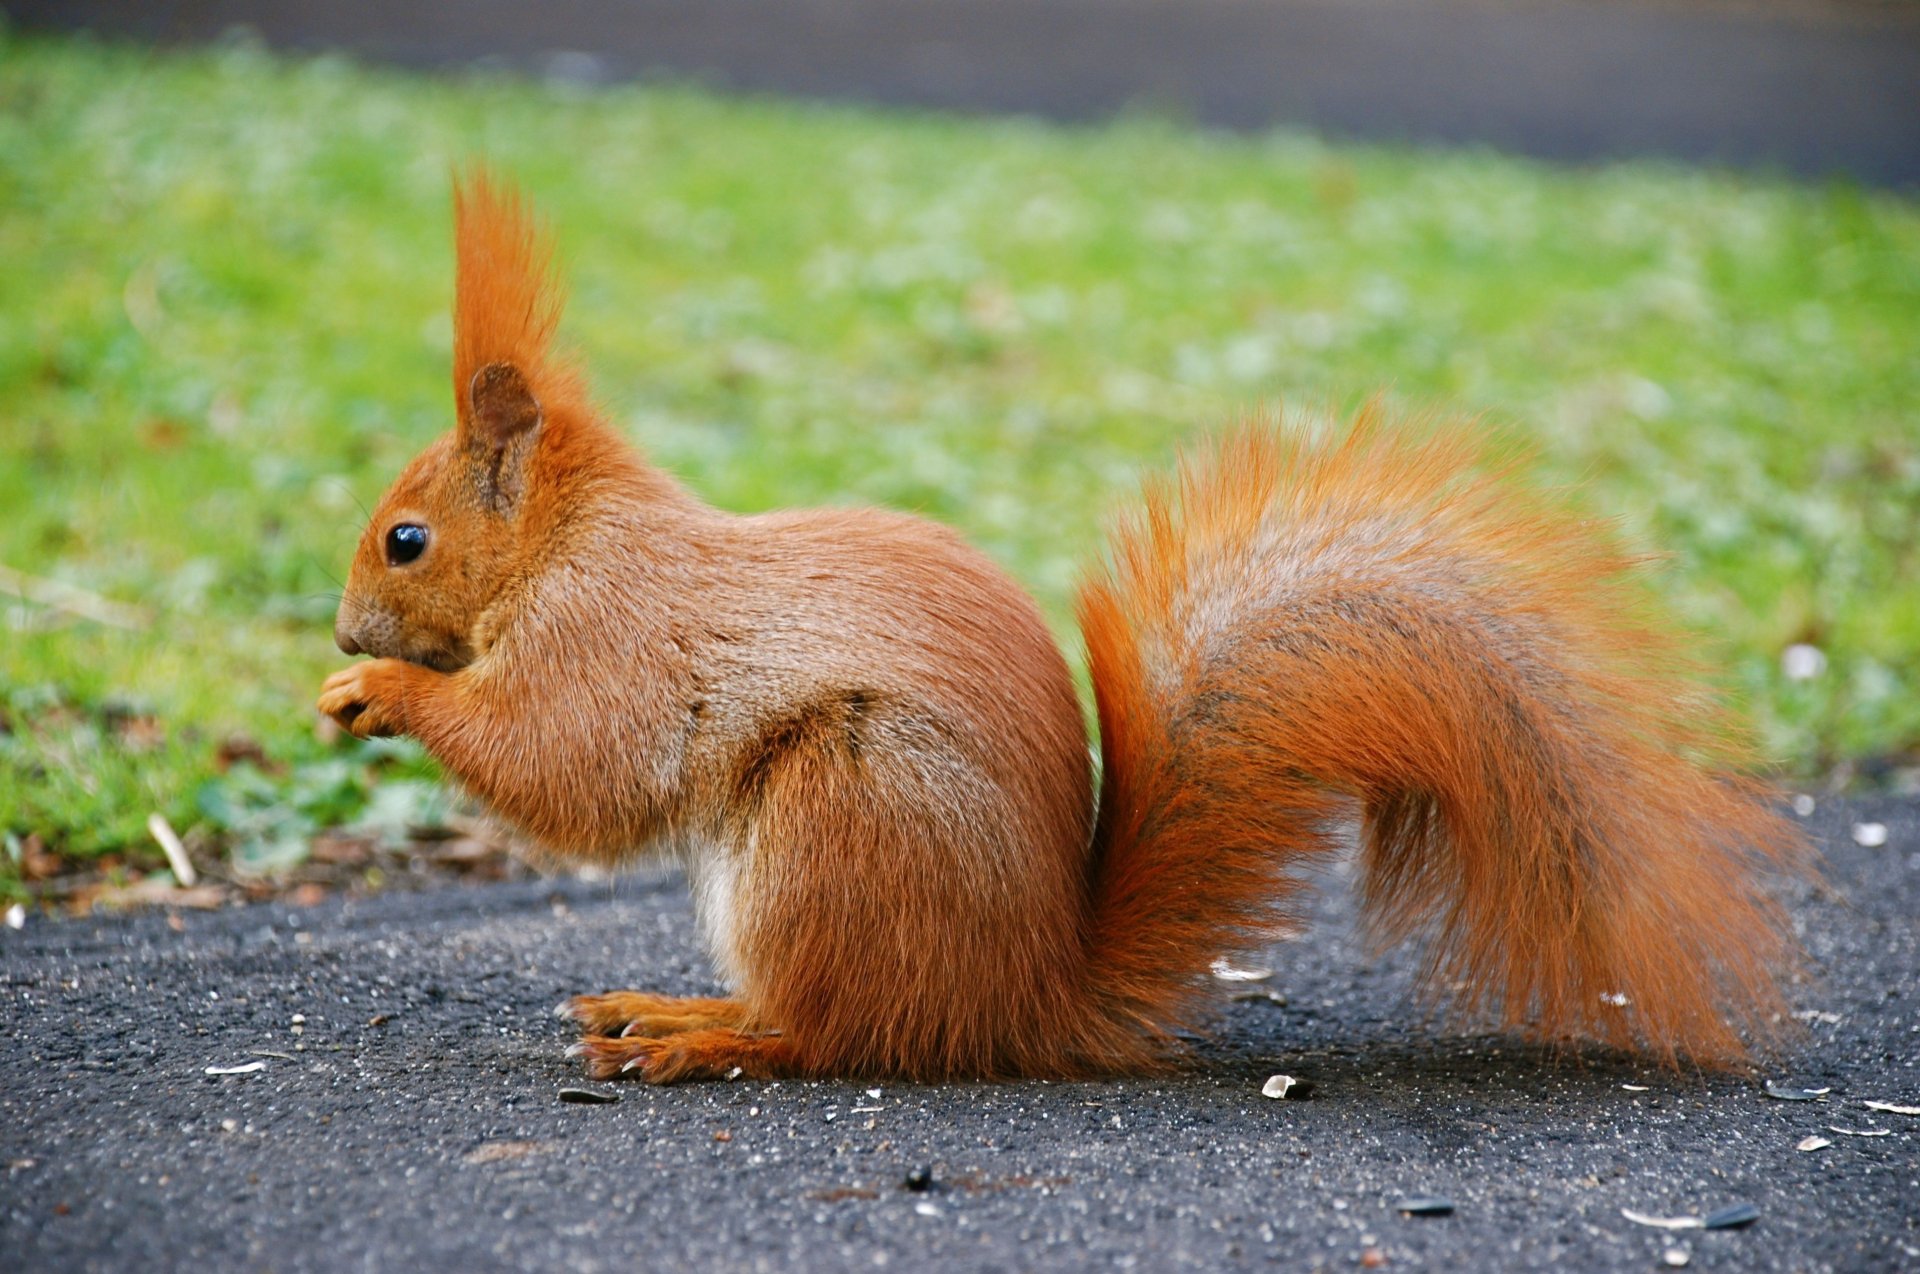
x=564, y=1009
x=578, y=1049
x=630, y=1063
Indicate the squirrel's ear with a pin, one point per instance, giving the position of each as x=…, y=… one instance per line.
x=503, y=417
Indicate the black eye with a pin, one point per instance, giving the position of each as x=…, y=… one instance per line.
x=405, y=542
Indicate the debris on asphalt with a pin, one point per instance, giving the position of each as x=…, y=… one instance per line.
x=1803, y=805
x=505, y=1151
x=1675, y=1256
x=1870, y=835
x=1732, y=1217
x=247, y=1068
x=1808, y=1144
x=1860, y=1132
x=1637, y=1088
x=1228, y=973
x=1260, y=996
x=1425, y=1205
x=1811, y=1016
x=16, y=917
x=927, y=1207
x=840, y=1194
x=1786, y=1092
x=1890, y=1108
x=1282, y=1087
x=920, y=1180
x=588, y=1096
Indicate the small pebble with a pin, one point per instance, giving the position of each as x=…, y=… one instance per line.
x=927, y=1208
x=1786, y=1092
x=1812, y=1143
x=1732, y=1217
x=1803, y=805
x=588, y=1096
x=1285, y=1087
x=1870, y=835
x=1425, y=1205
x=1674, y=1256
x=920, y=1180
x=16, y=917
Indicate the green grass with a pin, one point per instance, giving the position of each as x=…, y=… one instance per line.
x=223, y=326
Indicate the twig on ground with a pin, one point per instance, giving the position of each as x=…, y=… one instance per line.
x=176, y=852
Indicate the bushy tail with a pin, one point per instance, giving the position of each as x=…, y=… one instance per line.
x=1297, y=622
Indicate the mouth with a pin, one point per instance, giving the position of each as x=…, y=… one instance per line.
x=439, y=661
x=437, y=658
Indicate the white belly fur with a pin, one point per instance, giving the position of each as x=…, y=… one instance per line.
x=713, y=874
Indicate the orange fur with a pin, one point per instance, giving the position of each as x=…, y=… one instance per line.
x=1298, y=624
x=861, y=739
x=507, y=299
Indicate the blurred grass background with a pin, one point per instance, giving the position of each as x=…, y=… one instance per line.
x=224, y=326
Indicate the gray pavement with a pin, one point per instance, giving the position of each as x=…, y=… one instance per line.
x=406, y=1114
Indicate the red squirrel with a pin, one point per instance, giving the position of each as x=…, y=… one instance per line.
x=862, y=741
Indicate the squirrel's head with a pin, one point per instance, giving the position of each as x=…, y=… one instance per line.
x=445, y=535
x=448, y=534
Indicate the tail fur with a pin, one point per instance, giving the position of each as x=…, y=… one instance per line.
x=1297, y=623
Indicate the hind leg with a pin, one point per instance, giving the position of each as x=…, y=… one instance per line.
x=713, y=1053
x=641, y=1013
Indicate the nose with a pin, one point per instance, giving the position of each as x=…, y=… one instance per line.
x=344, y=639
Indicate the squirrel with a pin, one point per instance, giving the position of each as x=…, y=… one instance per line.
x=863, y=742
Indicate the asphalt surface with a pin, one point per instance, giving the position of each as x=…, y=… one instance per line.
x=1816, y=87
x=406, y=1114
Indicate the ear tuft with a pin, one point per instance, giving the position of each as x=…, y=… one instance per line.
x=506, y=300
x=502, y=406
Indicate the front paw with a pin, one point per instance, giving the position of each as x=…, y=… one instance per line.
x=370, y=698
